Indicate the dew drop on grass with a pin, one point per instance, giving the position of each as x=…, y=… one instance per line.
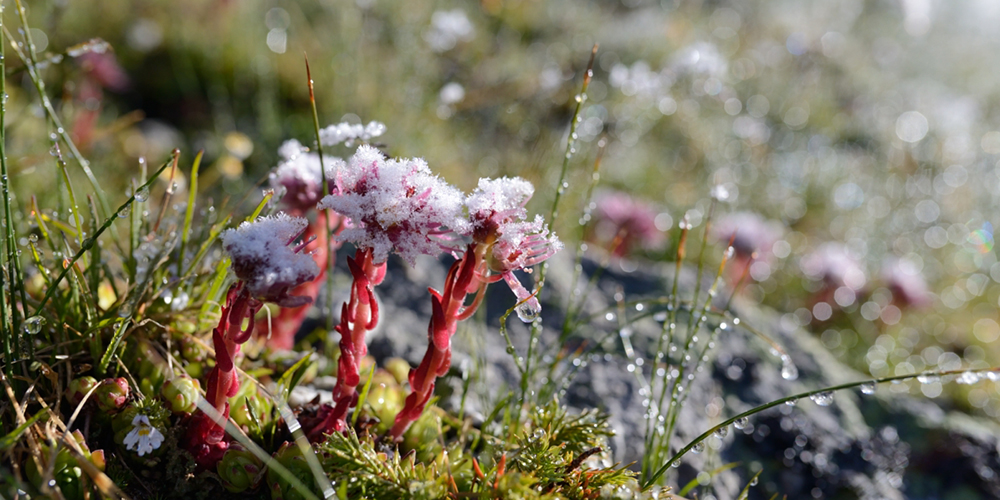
x=822, y=398
x=722, y=432
x=788, y=369
x=791, y=402
x=968, y=378
x=753, y=482
x=868, y=388
x=33, y=325
x=698, y=448
x=526, y=312
x=123, y=213
x=741, y=423
x=928, y=378
x=142, y=194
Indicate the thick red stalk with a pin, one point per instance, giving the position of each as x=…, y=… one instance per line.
x=205, y=437
x=357, y=317
x=467, y=275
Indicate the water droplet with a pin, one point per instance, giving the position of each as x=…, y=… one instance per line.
x=928, y=378
x=125, y=310
x=722, y=432
x=510, y=350
x=698, y=447
x=123, y=213
x=790, y=402
x=822, y=398
x=753, y=482
x=527, y=312
x=33, y=325
x=788, y=369
x=868, y=388
x=54, y=151
x=33, y=237
x=968, y=378
x=142, y=194
x=741, y=423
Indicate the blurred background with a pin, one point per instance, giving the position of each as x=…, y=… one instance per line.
x=855, y=143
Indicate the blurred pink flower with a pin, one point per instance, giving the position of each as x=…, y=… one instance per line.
x=617, y=213
x=753, y=234
x=908, y=286
x=832, y=263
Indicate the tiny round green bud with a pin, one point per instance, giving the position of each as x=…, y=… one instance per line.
x=111, y=394
x=79, y=387
x=181, y=394
x=239, y=469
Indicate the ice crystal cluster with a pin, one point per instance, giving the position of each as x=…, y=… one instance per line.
x=298, y=180
x=262, y=258
x=347, y=133
x=394, y=205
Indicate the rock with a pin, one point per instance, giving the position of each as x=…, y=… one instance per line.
x=870, y=447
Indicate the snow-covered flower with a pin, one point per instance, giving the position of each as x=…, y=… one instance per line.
x=834, y=264
x=298, y=178
x=394, y=205
x=753, y=234
x=908, y=286
x=347, y=133
x=263, y=259
x=143, y=438
x=617, y=213
x=448, y=27
x=497, y=217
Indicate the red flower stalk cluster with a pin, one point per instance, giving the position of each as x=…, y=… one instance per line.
x=390, y=206
x=268, y=270
x=357, y=317
x=502, y=241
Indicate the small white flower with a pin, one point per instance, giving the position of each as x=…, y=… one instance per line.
x=347, y=133
x=143, y=438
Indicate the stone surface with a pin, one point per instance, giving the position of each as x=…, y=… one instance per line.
x=867, y=447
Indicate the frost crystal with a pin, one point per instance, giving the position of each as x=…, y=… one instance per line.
x=497, y=215
x=394, y=205
x=297, y=178
x=143, y=438
x=264, y=261
x=348, y=133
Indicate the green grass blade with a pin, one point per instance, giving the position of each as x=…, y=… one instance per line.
x=189, y=212
x=90, y=242
x=113, y=346
x=7, y=442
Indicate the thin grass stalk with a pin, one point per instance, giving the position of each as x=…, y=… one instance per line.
x=678, y=393
x=571, y=307
x=330, y=256
x=701, y=260
x=666, y=337
x=74, y=206
x=91, y=241
x=189, y=212
x=777, y=402
x=31, y=63
x=10, y=335
x=536, y=326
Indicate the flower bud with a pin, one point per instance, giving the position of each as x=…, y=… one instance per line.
x=111, y=394
x=239, y=469
x=399, y=368
x=78, y=388
x=181, y=394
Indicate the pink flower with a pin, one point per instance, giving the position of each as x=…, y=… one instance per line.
x=906, y=283
x=262, y=258
x=394, y=205
x=834, y=264
x=754, y=234
x=298, y=178
x=497, y=218
x=617, y=213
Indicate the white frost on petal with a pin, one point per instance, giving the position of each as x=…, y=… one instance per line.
x=499, y=200
x=143, y=438
x=348, y=133
x=298, y=180
x=262, y=258
x=394, y=205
